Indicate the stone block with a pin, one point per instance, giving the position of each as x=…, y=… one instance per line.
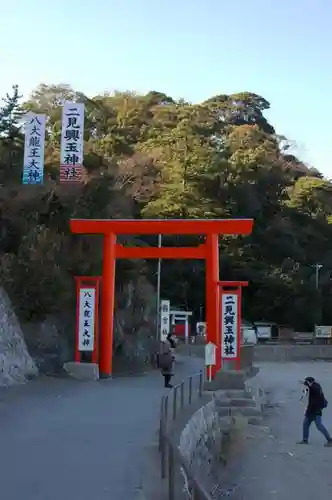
x=242, y=402
x=255, y=420
x=82, y=371
x=232, y=380
x=237, y=394
x=226, y=402
x=247, y=411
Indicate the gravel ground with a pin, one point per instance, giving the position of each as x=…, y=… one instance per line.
x=272, y=465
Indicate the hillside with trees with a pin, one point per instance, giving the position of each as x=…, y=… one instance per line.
x=152, y=156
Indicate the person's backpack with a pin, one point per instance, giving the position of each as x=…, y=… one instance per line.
x=164, y=360
x=323, y=398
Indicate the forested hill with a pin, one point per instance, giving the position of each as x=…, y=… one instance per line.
x=151, y=156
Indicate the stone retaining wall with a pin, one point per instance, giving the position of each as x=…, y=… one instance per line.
x=203, y=424
x=297, y=352
x=207, y=439
x=246, y=359
x=200, y=445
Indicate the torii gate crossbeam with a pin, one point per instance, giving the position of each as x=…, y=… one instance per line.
x=208, y=251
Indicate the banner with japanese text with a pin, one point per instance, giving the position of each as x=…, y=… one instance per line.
x=34, y=146
x=165, y=308
x=86, y=319
x=230, y=325
x=72, y=142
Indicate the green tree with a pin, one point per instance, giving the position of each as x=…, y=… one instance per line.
x=154, y=156
x=244, y=108
x=11, y=139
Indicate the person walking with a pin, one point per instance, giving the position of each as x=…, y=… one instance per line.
x=166, y=360
x=316, y=404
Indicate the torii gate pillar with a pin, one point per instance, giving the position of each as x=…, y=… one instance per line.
x=212, y=313
x=208, y=251
x=107, y=305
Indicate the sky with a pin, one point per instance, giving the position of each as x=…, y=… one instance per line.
x=279, y=49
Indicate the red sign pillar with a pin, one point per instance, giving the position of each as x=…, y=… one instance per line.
x=87, y=317
x=230, y=307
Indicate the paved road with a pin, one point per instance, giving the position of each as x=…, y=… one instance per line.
x=273, y=466
x=65, y=440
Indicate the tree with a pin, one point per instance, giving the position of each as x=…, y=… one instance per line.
x=312, y=196
x=153, y=156
x=244, y=108
x=11, y=140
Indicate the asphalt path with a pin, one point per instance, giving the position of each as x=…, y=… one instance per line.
x=61, y=439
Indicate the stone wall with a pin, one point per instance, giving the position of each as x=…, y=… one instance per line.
x=200, y=446
x=283, y=353
x=16, y=364
x=203, y=424
x=246, y=358
x=209, y=438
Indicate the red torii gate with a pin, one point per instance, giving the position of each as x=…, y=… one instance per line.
x=208, y=251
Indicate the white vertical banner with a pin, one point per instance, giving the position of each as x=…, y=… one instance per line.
x=86, y=323
x=72, y=142
x=34, y=146
x=165, y=308
x=229, y=325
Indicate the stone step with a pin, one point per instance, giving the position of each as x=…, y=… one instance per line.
x=247, y=411
x=243, y=402
x=255, y=420
x=237, y=393
x=226, y=402
x=225, y=423
x=223, y=401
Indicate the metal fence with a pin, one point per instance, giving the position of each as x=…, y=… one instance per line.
x=180, y=396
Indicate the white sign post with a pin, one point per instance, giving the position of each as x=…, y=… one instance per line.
x=165, y=327
x=86, y=325
x=34, y=145
x=72, y=142
x=229, y=326
x=210, y=358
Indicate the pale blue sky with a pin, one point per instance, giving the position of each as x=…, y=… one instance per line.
x=280, y=49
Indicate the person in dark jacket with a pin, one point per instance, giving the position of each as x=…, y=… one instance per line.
x=166, y=360
x=316, y=404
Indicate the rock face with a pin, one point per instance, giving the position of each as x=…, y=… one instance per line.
x=135, y=325
x=16, y=364
x=51, y=342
